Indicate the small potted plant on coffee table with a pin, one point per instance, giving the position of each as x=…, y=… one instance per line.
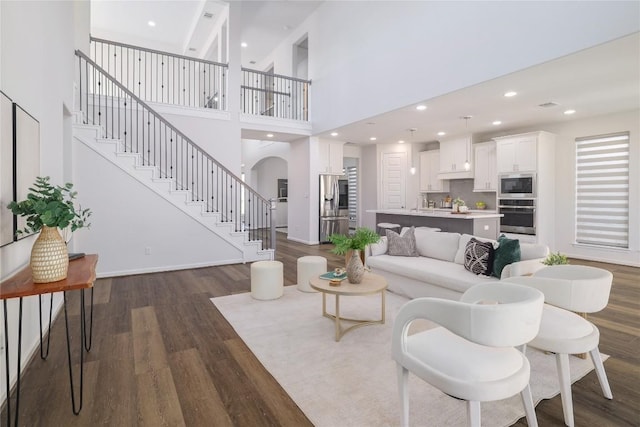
x=355, y=245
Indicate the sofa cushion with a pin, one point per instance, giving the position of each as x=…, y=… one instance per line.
x=404, y=245
x=436, y=272
x=379, y=248
x=440, y=245
x=478, y=257
x=462, y=246
x=533, y=251
x=508, y=252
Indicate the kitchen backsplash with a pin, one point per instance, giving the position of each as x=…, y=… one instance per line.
x=463, y=188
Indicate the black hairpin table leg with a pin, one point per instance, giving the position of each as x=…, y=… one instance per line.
x=87, y=346
x=44, y=355
x=6, y=361
x=77, y=410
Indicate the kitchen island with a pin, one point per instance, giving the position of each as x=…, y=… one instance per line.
x=478, y=223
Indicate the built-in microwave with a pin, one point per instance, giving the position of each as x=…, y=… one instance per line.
x=518, y=185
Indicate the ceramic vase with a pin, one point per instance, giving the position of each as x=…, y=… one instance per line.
x=49, y=256
x=355, y=268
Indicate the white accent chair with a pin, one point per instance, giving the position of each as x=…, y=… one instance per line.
x=471, y=355
x=577, y=288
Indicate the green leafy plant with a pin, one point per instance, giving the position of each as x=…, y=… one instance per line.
x=555, y=259
x=458, y=201
x=51, y=206
x=358, y=241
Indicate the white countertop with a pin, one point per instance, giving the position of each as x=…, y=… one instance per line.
x=437, y=213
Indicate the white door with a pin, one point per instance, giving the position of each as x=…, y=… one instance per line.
x=393, y=180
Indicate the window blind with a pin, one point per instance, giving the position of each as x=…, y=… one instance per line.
x=602, y=190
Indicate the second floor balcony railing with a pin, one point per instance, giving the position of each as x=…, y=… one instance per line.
x=167, y=78
x=163, y=77
x=274, y=95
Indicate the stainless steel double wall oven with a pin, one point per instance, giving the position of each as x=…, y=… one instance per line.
x=517, y=202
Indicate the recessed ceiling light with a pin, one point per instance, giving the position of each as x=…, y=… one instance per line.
x=151, y=23
x=421, y=107
x=510, y=94
x=243, y=44
x=441, y=133
x=569, y=112
x=269, y=135
x=401, y=142
x=334, y=133
x=373, y=138
x=496, y=123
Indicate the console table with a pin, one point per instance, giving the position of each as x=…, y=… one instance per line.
x=81, y=275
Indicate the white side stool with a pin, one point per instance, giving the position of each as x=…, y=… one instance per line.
x=267, y=280
x=383, y=226
x=310, y=266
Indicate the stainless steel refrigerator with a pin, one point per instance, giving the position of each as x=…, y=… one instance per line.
x=333, y=217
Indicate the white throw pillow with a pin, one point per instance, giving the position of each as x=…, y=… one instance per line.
x=379, y=248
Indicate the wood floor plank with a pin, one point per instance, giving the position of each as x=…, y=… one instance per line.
x=201, y=405
x=149, y=352
x=158, y=403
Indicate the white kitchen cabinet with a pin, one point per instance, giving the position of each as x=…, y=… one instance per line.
x=485, y=176
x=453, y=156
x=429, y=169
x=517, y=154
x=331, y=158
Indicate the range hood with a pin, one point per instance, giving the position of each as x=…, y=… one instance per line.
x=456, y=175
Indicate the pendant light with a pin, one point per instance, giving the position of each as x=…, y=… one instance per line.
x=412, y=170
x=467, y=165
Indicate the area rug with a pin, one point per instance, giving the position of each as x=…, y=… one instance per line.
x=353, y=382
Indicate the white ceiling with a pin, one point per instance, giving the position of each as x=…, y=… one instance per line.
x=602, y=80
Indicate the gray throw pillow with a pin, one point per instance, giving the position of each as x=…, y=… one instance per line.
x=402, y=245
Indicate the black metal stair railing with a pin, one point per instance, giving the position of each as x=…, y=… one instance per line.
x=106, y=102
x=163, y=77
x=274, y=95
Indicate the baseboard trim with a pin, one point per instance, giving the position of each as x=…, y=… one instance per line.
x=304, y=242
x=118, y=273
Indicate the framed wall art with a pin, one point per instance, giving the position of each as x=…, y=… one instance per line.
x=26, y=146
x=6, y=169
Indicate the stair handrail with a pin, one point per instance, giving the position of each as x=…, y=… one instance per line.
x=158, y=52
x=266, y=202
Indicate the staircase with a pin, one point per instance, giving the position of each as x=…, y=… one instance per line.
x=124, y=130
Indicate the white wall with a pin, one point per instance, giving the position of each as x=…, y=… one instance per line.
x=128, y=218
x=412, y=51
x=46, y=43
x=303, y=191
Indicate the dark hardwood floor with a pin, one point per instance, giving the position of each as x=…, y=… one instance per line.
x=164, y=356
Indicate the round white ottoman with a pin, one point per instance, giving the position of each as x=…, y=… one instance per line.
x=266, y=280
x=308, y=267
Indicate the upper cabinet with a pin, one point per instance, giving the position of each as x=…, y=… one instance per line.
x=517, y=154
x=331, y=158
x=485, y=176
x=454, y=155
x=429, y=168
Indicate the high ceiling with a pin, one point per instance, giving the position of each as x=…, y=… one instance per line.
x=602, y=80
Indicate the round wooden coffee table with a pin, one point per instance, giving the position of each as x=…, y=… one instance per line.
x=371, y=284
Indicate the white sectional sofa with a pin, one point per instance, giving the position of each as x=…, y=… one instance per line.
x=439, y=270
